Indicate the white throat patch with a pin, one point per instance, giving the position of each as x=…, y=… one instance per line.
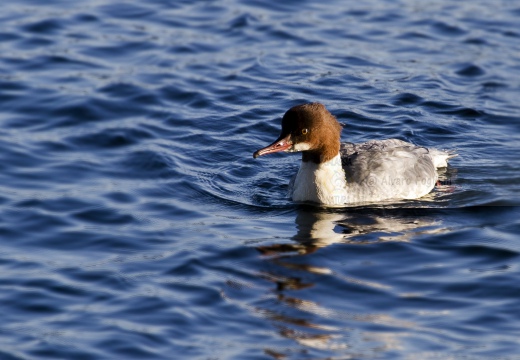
x=300, y=147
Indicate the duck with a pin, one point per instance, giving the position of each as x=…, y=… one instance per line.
x=332, y=173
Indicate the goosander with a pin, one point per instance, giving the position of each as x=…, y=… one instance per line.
x=336, y=174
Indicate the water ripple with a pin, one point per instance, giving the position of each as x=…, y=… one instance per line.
x=136, y=223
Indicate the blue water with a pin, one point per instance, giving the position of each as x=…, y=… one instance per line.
x=135, y=224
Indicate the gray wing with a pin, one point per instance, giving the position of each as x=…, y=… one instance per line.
x=388, y=169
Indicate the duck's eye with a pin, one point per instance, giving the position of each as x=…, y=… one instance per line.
x=305, y=131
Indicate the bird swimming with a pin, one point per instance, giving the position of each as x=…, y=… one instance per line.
x=335, y=174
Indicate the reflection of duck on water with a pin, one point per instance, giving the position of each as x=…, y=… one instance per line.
x=321, y=228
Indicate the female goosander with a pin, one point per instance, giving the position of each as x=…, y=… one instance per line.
x=338, y=174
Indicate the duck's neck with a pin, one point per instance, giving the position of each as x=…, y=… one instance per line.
x=325, y=151
x=323, y=182
x=322, y=154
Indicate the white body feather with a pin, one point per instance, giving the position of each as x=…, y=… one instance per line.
x=370, y=172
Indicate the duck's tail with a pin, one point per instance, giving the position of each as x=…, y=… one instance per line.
x=440, y=157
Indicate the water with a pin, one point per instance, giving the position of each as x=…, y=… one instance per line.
x=135, y=223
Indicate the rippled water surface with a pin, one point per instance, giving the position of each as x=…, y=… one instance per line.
x=135, y=223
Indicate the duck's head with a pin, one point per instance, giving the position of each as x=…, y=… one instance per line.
x=309, y=128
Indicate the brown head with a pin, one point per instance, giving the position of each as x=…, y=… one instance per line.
x=309, y=128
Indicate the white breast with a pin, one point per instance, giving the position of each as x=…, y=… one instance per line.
x=322, y=183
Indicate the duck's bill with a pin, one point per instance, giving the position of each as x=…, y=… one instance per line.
x=281, y=144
